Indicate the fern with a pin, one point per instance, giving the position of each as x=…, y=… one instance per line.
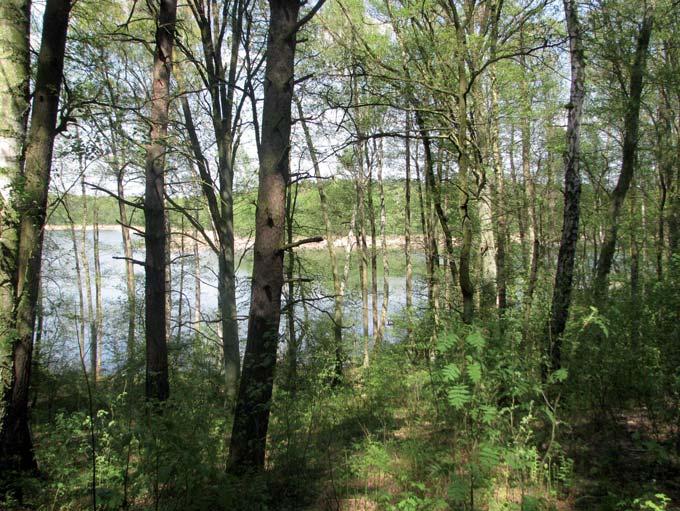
x=476, y=340
x=474, y=370
x=450, y=373
x=459, y=396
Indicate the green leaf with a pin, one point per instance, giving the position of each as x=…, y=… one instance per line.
x=489, y=413
x=446, y=342
x=459, y=396
x=474, y=371
x=559, y=376
x=458, y=490
x=476, y=340
x=489, y=456
x=450, y=372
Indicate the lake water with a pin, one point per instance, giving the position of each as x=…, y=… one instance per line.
x=61, y=305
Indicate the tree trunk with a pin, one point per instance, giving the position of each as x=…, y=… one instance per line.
x=363, y=248
x=221, y=212
x=221, y=85
x=520, y=204
x=129, y=265
x=292, y=354
x=572, y=191
x=180, y=286
x=338, y=297
x=433, y=185
x=430, y=254
x=16, y=446
x=155, y=238
x=466, y=286
x=197, y=288
x=529, y=194
x=14, y=106
x=634, y=273
x=628, y=161
x=251, y=418
x=85, y=263
x=498, y=197
x=383, y=242
x=80, y=320
x=374, y=244
x=407, y=231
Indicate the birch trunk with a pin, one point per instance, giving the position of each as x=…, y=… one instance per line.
x=564, y=275
x=385, y=260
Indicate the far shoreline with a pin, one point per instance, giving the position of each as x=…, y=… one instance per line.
x=242, y=243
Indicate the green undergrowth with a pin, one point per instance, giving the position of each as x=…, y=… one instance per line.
x=458, y=420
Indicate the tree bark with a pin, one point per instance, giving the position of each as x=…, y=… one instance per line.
x=529, y=194
x=498, y=196
x=363, y=248
x=129, y=265
x=197, y=288
x=220, y=82
x=383, y=245
x=16, y=445
x=87, y=282
x=465, y=280
x=251, y=418
x=293, y=343
x=155, y=238
x=14, y=106
x=564, y=275
x=407, y=231
x=433, y=185
x=375, y=319
x=80, y=321
x=628, y=161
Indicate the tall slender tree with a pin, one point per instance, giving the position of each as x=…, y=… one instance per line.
x=629, y=155
x=14, y=105
x=155, y=235
x=564, y=275
x=31, y=189
x=251, y=417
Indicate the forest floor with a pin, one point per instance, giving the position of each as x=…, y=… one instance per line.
x=621, y=464
x=626, y=457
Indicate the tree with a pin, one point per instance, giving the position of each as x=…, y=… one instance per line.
x=30, y=193
x=251, y=416
x=629, y=154
x=564, y=275
x=14, y=102
x=155, y=235
x=220, y=80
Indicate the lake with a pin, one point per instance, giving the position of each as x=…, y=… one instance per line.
x=61, y=307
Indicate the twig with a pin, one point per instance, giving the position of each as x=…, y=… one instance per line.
x=313, y=239
x=133, y=261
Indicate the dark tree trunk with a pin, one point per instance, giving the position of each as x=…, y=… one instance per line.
x=433, y=183
x=498, y=194
x=251, y=418
x=16, y=446
x=157, y=385
x=628, y=161
x=564, y=275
